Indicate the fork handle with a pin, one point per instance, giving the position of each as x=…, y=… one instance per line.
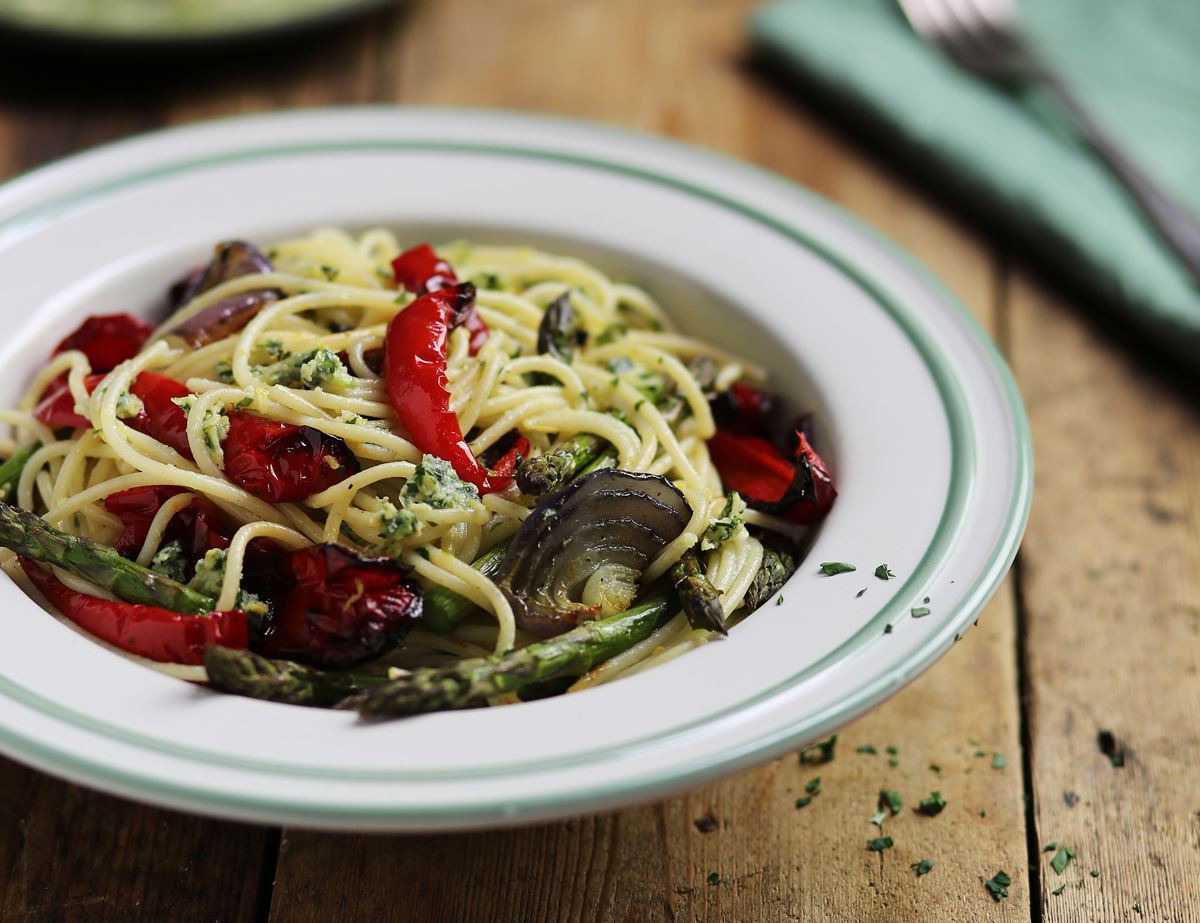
x=1176, y=226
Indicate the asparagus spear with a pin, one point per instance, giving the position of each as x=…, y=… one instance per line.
x=28, y=534
x=466, y=683
x=245, y=673
x=776, y=567
x=546, y=473
x=558, y=333
x=444, y=609
x=10, y=471
x=701, y=601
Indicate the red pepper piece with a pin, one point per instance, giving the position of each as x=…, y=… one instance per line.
x=148, y=631
x=107, y=339
x=415, y=378
x=507, y=463
x=341, y=608
x=57, y=407
x=281, y=462
x=799, y=489
x=161, y=418
x=199, y=526
x=419, y=269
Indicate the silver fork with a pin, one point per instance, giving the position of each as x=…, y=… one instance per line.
x=984, y=36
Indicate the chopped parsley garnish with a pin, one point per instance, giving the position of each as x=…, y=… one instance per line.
x=878, y=818
x=706, y=824
x=714, y=878
x=980, y=753
x=924, y=867
x=866, y=748
x=935, y=767
x=893, y=762
x=813, y=786
x=883, y=572
x=933, y=805
x=999, y=761
x=920, y=612
x=879, y=843
x=820, y=752
x=1095, y=873
x=803, y=801
x=244, y=402
x=894, y=751
x=888, y=628
x=329, y=272
x=831, y=568
x=860, y=593
x=1059, y=890
x=925, y=600
x=1109, y=747
x=891, y=800
x=779, y=600
x=997, y=886
x=1050, y=847
x=1062, y=859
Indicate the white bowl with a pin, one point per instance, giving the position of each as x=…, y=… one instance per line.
x=919, y=416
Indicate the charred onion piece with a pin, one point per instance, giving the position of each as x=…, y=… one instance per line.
x=229, y=315
x=580, y=553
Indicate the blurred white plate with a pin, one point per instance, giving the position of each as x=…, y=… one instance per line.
x=917, y=413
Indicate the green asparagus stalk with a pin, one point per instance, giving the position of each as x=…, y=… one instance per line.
x=546, y=473
x=701, y=601
x=10, y=471
x=773, y=573
x=444, y=609
x=245, y=673
x=466, y=683
x=28, y=534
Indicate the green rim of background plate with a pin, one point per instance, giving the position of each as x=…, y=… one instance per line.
x=961, y=483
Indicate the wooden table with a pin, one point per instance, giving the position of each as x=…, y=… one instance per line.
x=1097, y=629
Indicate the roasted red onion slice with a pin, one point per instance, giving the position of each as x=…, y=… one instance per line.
x=582, y=551
x=229, y=315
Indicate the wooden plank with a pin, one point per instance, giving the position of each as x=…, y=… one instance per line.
x=672, y=67
x=1112, y=615
x=68, y=854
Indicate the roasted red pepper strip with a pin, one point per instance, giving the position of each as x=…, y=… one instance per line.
x=282, y=462
x=57, y=407
x=799, y=489
x=507, y=463
x=199, y=526
x=340, y=608
x=419, y=270
x=161, y=418
x=415, y=378
x=148, y=631
x=107, y=339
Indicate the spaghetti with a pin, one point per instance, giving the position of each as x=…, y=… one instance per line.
x=284, y=352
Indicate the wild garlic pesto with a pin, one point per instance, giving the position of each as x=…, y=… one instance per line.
x=434, y=483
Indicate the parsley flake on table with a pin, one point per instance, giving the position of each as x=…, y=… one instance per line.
x=1062, y=859
x=924, y=867
x=878, y=818
x=820, y=752
x=879, y=843
x=1050, y=847
x=831, y=568
x=997, y=886
x=1059, y=890
x=894, y=751
x=935, y=767
x=883, y=572
x=891, y=800
x=1095, y=873
x=920, y=612
x=866, y=748
x=813, y=786
x=714, y=878
x=999, y=761
x=932, y=806
x=803, y=801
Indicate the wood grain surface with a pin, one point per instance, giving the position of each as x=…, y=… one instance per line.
x=1107, y=636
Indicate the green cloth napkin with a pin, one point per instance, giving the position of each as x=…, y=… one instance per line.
x=1012, y=156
